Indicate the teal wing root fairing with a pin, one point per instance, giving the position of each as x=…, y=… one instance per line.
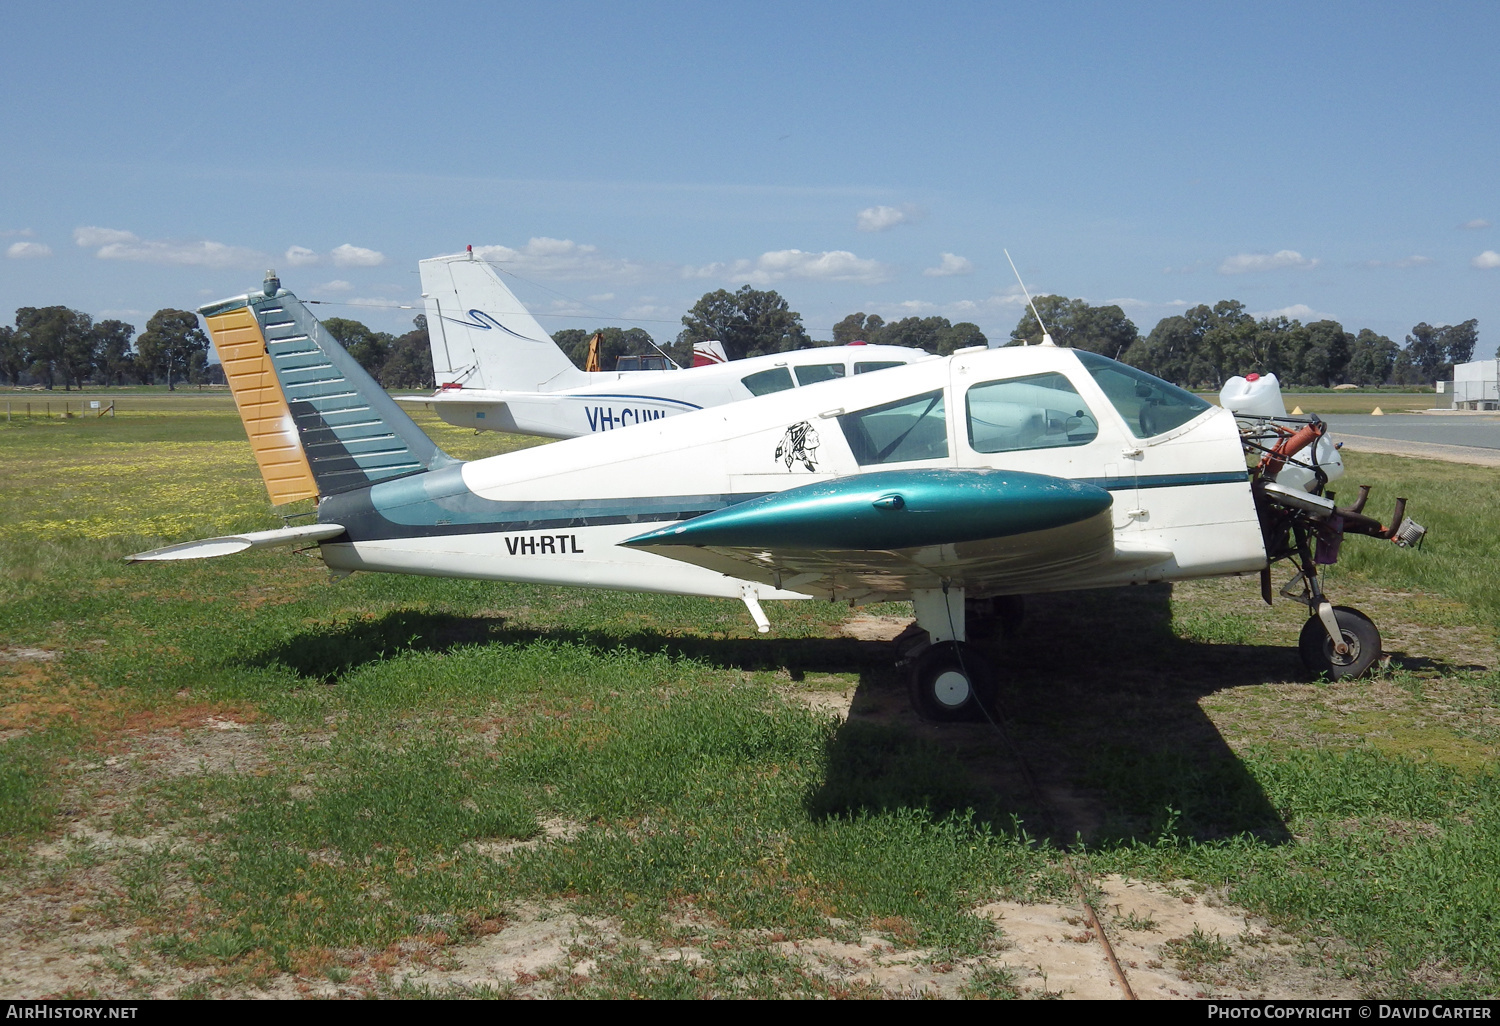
x=899, y=509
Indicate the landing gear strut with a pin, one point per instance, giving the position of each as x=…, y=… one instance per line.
x=948, y=679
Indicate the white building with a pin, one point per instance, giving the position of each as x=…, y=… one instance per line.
x=1476, y=385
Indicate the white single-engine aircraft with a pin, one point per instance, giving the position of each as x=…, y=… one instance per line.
x=985, y=474
x=498, y=370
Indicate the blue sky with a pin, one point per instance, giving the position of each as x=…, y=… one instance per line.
x=1333, y=160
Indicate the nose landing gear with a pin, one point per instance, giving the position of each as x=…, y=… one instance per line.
x=1337, y=641
x=1359, y=651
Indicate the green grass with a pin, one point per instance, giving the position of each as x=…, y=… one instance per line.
x=433, y=757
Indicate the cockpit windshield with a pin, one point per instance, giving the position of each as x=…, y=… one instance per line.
x=1149, y=405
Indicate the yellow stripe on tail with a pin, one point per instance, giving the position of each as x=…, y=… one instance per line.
x=263, y=408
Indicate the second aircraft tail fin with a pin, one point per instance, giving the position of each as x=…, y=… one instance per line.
x=482, y=336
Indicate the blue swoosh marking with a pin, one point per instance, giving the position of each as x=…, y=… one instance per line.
x=587, y=396
x=484, y=322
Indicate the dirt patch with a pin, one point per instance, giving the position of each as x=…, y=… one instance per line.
x=828, y=703
x=865, y=627
x=536, y=947
x=26, y=655
x=1170, y=942
x=552, y=830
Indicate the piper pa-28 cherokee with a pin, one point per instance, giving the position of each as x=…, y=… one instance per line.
x=989, y=473
x=497, y=370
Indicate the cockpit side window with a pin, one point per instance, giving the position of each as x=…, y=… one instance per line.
x=777, y=379
x=907, y=429
x=875, y=365
x=811, y=374
x=1039, y=411
x=1149, y=405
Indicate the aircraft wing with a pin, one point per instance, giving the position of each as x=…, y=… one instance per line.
x=888, y=533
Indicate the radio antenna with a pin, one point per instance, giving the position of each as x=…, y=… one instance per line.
x=1046, y=338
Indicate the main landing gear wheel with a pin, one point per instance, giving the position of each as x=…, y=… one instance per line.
x=1359, y=633
x=949, y=681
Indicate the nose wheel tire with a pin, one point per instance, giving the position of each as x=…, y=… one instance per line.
x=1359, y=633
x=949, y=681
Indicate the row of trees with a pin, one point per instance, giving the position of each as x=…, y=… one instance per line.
x=396, y=361
x=1200, y=347
x=752, y=322
x=49, y=344
x=1207, y=344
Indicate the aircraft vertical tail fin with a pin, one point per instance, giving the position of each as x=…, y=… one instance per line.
x=317, y=422
x=709, y=353
x=482, y=336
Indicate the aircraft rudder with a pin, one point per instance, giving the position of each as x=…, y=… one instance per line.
x=318, y=423
x=484, y=335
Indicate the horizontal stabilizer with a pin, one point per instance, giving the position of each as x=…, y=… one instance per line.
x=207, y=548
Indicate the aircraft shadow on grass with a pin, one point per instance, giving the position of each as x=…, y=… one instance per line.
x=1100, y=735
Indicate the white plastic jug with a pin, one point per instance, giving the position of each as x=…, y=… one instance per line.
x=1329, y=462
x=1254, y=395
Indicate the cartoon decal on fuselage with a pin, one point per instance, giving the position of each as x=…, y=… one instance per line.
x=799, y=443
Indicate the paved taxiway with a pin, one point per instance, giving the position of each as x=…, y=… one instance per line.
x=1456, y=437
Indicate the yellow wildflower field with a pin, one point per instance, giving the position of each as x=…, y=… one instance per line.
x=117, y=489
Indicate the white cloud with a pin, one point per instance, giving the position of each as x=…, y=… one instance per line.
x=1475, y=224
x=951, y=264
x=88, y=237
x=114, y=244
x=1486, y=260
x=300, y=256
x=1129, y=304
x=879, y=219
x=559, y=259
x=781, y=264
x=1001, y=305
x=569, y=308
x=28, y=250
x=649, y=312
x=356, y=256
x=337, y=285
x=1411, y=261
x=603, y=297
x=1244, y=263
x=1295, y=312
x=383, y=303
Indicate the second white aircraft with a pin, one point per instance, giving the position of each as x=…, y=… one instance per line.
x=498, y=370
